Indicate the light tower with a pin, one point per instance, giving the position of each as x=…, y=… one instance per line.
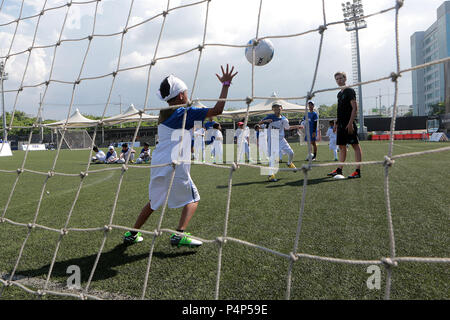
x=3, y=76
x=353, y=17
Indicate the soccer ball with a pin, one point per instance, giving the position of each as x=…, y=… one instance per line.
x=263, y=52
x=339, y=177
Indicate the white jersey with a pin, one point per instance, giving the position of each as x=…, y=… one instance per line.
x=332, y=135
x=217, y=145
x=100, y=155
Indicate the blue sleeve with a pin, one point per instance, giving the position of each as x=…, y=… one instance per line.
x=175, y=121
x=195, y=114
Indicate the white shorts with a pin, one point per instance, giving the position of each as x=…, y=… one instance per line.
x=182, y=193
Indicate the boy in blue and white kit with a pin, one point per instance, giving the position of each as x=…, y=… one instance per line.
x=278, y=122
x=331, y=133
x=313, y=119
x=170, y=132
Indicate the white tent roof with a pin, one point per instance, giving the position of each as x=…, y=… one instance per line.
x=130, y=115
x=264, y=108
x=76, y=120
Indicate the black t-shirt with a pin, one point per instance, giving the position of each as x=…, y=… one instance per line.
x=344, y=109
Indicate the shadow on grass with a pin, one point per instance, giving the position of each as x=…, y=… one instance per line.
x=277, y=184
x=105, y=267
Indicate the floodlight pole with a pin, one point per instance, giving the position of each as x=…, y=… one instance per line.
x=3, y=76
x=353, y=13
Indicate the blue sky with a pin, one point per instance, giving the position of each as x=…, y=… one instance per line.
x=289, y=74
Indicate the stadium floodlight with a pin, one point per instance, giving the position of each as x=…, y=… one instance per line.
x=3, y=76
x=353, y=19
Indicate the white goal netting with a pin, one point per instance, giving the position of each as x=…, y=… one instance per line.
x=130, y=29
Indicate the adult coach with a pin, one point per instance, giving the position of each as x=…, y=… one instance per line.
x=346, y=126
x=183, y=193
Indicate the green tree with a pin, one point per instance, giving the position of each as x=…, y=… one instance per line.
x=328, y=111
x=437, y=109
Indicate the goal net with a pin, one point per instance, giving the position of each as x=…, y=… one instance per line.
x=74, y=139
x=144, y=64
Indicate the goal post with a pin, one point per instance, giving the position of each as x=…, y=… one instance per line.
x=74, y=139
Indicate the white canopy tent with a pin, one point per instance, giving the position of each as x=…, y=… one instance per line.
x=264, y=108
x=130, y=115
x=76, y=120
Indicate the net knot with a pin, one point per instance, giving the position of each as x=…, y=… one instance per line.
x=29, y=49
x=153, y=62
x=90, y=37
x=41, y=293
x=322, y=29
x=58, y=43
x=124, y=168
x=174, y=164
x=31, y=226
x=51, y=174
x=19, y=171
x=83, y=174
x=2, y=220
x=114, y=74
x=388, y=262
x=125, y=31
x=309, y=96
x=42, y=13
x=107, y=228
x=399, y=4
x=47, y=83
x=77, y=81
x=157, y=232
x=165, y=13
x=234, y=166
x=200, y=47
x=293, y=256
x=64, y=232
x=221, y=240
x=388, y=162
x=248, y=100
x=69, y=4
x=395, y=76
x=305, y=168
x=20, y=89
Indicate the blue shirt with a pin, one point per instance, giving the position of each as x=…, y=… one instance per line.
x=209, y=124
x=175, y=121
x=312, y=119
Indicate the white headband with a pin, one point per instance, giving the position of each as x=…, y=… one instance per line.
x=176, y=86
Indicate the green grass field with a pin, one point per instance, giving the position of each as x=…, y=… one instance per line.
x=342, y=219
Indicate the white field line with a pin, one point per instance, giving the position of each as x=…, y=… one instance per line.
x=35, y=284
x=59, y=193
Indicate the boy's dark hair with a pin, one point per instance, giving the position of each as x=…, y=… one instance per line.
x=331, y=121
x=95, y=148
x=124, y=145
x=216, y=125
x=164, y=88
x=146, y=144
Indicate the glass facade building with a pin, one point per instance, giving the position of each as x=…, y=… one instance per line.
x=428, y=84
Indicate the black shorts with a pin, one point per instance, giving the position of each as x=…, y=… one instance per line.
x=343, y=137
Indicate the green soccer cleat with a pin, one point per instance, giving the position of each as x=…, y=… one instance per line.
x=184, y=241
x=128, y=237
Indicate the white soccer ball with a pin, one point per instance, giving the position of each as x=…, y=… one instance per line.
x=339, y=177
x=263, y=52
